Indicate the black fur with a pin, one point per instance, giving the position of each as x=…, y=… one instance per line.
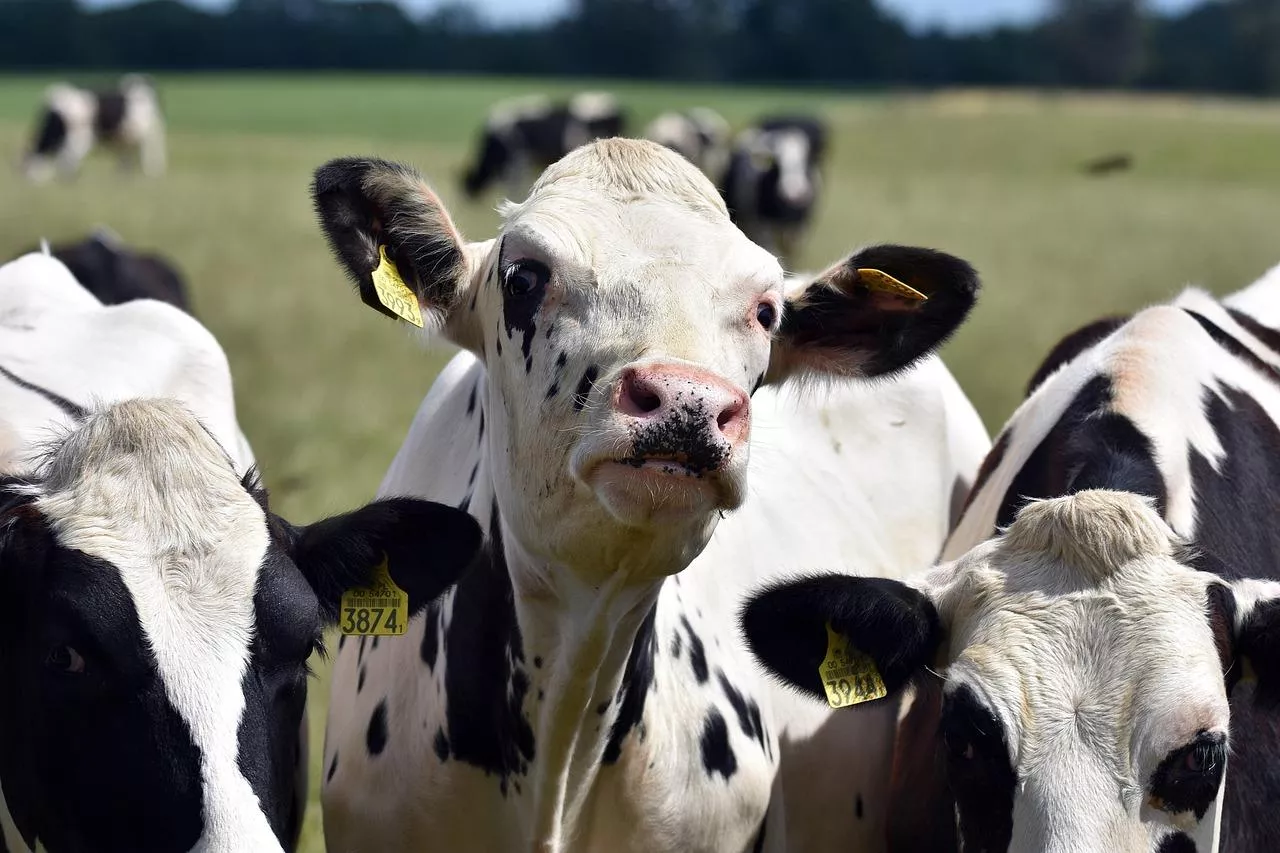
x=637, y=681
x=979, y=771
x=109, y=115
x=871, y=333
x=1074, y=344
x=785, y=627
x=73, y=410
x=50, y=137
x=116, y=274
x=358, y=215
x=717, y=752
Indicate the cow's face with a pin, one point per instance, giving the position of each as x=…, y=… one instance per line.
x=157, y=622
x=624, y=322
x=1087, y=670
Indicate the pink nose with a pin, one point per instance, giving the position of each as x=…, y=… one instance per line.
x=694, y=398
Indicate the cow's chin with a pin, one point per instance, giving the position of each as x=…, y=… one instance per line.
x=662, y=493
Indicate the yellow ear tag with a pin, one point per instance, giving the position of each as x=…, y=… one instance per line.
x=393, y=292
x=380, y=609
x=878, y=280
x=848, y=676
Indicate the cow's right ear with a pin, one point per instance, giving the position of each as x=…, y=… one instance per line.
x=426, y=545
x=386, y=226
x=895, y=625
x=1252, y=607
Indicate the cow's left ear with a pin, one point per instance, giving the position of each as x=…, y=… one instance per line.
x=427, y=546
x=1254, y=608
x=872, y=314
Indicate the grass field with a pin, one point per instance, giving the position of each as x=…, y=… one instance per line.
x=326, y=387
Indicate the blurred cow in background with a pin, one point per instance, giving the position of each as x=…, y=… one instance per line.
x=74, y=120
x=524, y=136
x=700, y=134
x=771, y=182
x=116, y=274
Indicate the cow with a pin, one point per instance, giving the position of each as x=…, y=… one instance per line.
x=625, y=351
x=524, y=135
x=1100, y=657
x=157, y=615
x=115, y=274
x=772, y=179
x=74, y=120
x=700, y=134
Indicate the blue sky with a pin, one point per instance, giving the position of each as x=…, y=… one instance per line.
x=953, y=14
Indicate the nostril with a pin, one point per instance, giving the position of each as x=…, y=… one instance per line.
x=732, y=420
x=728, y=416
x=637, y=396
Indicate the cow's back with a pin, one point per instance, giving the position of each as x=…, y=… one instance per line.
x=57, y=336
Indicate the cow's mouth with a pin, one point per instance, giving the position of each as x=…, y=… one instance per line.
x=676, y=462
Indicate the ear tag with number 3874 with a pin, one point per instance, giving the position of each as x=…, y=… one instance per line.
x=378, y=610
x=848, y=676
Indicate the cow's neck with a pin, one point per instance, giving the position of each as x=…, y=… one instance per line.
x=588, y=655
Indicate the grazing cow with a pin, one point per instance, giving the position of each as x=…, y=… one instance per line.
x=1092, y=655
x=158, y=617
x=772, y=179
x=116, y=274
x=626, y=348
x=74, y=120
x=701, y=135
x=525, y=135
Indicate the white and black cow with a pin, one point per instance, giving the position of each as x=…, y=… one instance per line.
x=523, y=136
x=157, y=616
x=1092, y=656
x=626, y=350
x=74, y=120
x=772, y=178
x=114, y=273
x=700, y=134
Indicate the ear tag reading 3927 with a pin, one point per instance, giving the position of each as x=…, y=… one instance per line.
x=848, y=676
x=378, y=610
x=879, y=280
x=393, y=292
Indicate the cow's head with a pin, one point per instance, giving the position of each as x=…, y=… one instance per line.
x=624, y=323
x=155, y=625
x=1087, y=662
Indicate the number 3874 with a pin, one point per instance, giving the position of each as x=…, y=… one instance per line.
x=369, y=620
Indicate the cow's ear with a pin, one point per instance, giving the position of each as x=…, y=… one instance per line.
x=394, y=237
x=24, y=542
x=873, y=313
x=1254, y=607
x=893, y=624
x=427, y=546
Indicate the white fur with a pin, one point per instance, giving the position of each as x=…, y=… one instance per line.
x=849, y=476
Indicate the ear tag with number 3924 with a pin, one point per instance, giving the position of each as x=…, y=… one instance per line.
x=848, y=676
x=393, y=292
x=380, y=609
x=882, y=281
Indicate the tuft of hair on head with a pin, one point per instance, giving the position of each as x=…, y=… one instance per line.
x=1096, y=531
x=628, y=168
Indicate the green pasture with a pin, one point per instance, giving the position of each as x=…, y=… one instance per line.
x=326, y=387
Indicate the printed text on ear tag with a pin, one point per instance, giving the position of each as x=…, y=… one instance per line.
x=878, y=280
x=380, y=609
x=848, y=676
x=393, y=292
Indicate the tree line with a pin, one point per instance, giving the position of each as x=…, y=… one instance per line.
x=1219, y=45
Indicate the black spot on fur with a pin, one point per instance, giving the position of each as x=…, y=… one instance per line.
x=481, y=433
x=717, y=754
x=746, y=709
x=1235, y=347
x=562, y=359
x=465, y=503
x=697, y=653
x=376, y=736
x=677, y=643
x=360, y=678
x=72, y=410
x=342, y=641
x=537, y=662
x=758, y=845
x=1177, y=843
x=981, y=778
x=1269, y=337
x=602, y=708
x=585, y=384
x=333, y=767
x=471, y=400
x=430, y=638
x=637, y=679
x=441, y=744
x=1074, y=344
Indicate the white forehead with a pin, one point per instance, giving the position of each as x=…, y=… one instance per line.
x=791, y=148
x=1087, y=636
x=622, y=202
x=144, y=487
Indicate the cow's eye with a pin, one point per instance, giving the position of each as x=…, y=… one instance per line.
x=65, y=659
x=525, y=278
x=766, y=315
x=1189, y=777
